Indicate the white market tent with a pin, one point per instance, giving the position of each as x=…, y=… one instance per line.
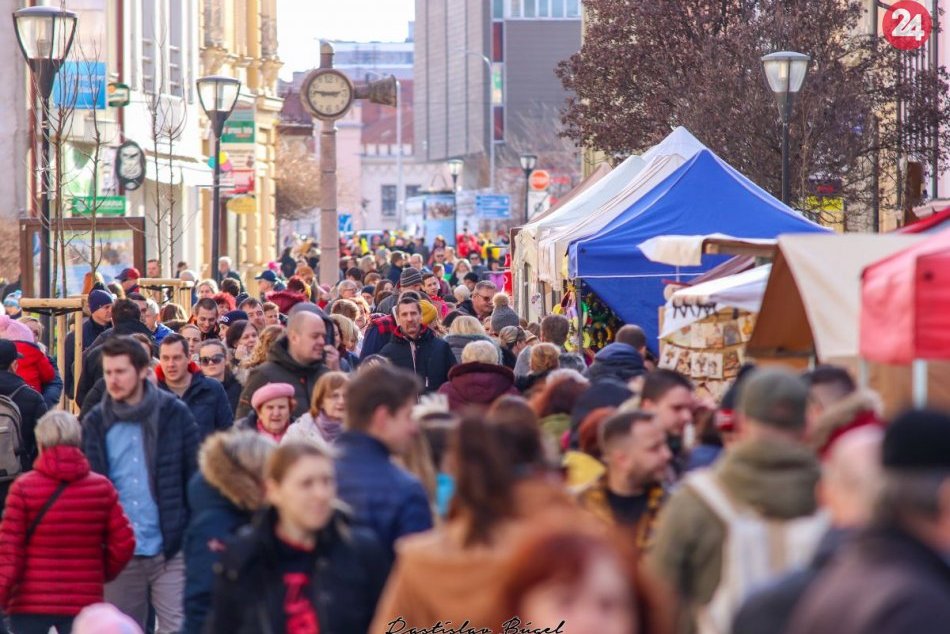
x=524, y=264
x=660, y=162
x=688, y=305
x=678, y=250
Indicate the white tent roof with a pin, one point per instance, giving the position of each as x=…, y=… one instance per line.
x=743, y=290
x=661, y=161
x=688, y=250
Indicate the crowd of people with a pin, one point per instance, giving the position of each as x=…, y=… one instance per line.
x=400, y=452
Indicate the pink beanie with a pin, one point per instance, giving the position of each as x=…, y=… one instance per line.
x=270, y=391
x=14, y=331
x=103, y=618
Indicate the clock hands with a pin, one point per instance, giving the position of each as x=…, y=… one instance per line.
x=328, y=93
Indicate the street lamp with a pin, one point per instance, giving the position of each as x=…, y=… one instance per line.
x=455, y=168
x=218, y=95
x=45, y=35
x=491, y=117
x=528, y=163
x=785, y=72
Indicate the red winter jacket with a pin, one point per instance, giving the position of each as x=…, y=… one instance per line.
x=34, y=367
x=83, y=540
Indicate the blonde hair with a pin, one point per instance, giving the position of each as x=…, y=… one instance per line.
x=348, y=330
x=265, y=340
x=326, y=385
x=481, y=352
x=466, y=325
x=57, y=428
x=247, y=452
x=208, y=282
x=544, y=357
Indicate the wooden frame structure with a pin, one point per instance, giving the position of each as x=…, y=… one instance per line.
x=61, y=309
x=181, y=289
x=32, y=226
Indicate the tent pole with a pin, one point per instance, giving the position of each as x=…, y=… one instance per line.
x=863, y=373
x=919, y=382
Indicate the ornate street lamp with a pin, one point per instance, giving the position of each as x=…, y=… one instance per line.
x=218, y=95
x=785, y=72
x=455, y=168
x=528, y=163
x=45, y=35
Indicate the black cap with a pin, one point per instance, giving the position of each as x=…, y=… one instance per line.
x=918, y=439
x=8, y=353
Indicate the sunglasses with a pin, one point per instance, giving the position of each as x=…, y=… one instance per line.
x=212, y=360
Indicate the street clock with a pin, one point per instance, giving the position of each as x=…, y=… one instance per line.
x=327, y=93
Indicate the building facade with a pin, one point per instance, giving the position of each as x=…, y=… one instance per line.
x=463, y=103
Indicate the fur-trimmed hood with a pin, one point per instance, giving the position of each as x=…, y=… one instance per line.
x=233, y=481
x=855, y=410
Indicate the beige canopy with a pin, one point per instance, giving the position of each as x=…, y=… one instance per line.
x=811, y=311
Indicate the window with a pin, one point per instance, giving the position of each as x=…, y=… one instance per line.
x=389, y=199
x=498, y=9
x=535, y=9
x=412, y=190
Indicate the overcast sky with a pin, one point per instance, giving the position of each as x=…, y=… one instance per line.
x=301, y=23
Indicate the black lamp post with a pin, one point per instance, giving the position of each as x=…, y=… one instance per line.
x=455, y=168
x=528, y=163
x=45, y=35
x=785, y=72
x=218, y=95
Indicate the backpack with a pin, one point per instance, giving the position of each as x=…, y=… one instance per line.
x=755, y=550
x=11, y=441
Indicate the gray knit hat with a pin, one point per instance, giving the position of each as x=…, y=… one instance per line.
x=410, y=277
x=776, y=398
x=503, y=315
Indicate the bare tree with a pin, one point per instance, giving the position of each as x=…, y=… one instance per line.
x=297, y=181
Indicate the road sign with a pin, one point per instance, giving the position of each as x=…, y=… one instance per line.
x=103, y=205
x=539, y=180
x=495, y=206
x=118, y=94
x=907, y=25
x=346, y=223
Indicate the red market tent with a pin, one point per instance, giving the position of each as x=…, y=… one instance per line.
x=931, y=224
x=905, y=304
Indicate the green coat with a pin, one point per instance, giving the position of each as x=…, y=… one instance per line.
x=776, y=478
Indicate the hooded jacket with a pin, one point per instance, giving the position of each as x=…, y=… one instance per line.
x=280, y=367
x=458, y=342
x=855, y=410
x=616, y=361
x=428, y=356
x=206, y=399
x=83, y=540
x=35, y=367
x=349, y=574
x=777, y=479
x=477, y=384
x=224, y=498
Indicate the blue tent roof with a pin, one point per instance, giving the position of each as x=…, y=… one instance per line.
x=705, y=195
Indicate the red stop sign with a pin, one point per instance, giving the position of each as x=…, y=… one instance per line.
x=907, y=25
x=539, y=180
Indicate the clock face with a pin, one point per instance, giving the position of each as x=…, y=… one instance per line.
x=328, y=94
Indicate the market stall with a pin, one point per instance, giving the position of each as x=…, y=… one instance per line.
x=705, y=195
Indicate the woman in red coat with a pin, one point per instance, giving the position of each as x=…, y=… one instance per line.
x=82, y=540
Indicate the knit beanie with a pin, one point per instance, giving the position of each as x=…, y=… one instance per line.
x=503, y=315
x=97, y=299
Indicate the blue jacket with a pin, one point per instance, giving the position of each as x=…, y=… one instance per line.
x=383, y=496
x=617, y=361
x=214, y=520
x=428, y=356
x=172, y=462
x=161, y=331
x=207, y=401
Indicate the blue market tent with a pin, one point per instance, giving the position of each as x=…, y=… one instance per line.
x=705, y=195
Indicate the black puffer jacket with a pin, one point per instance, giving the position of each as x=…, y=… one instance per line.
x=426, y=355
x=349, y=576
x=280, y=367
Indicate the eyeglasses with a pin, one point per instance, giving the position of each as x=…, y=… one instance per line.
x=487, y=298
x=212, y=360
